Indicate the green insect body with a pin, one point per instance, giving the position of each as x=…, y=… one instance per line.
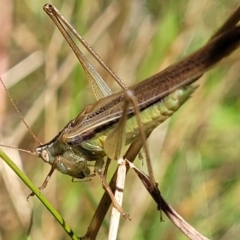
x=73, y=159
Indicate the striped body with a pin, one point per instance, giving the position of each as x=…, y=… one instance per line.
x=85, y=138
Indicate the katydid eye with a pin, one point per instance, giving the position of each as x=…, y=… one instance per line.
x=45, y=156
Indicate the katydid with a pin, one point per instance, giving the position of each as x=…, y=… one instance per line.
x=100, y=130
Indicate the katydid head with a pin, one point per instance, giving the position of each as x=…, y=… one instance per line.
x=43, y=154
x=65, y=160
x=60, y=157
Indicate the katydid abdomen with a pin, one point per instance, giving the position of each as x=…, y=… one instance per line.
x=151, y=117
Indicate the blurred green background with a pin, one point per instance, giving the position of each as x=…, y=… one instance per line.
x=196, y=155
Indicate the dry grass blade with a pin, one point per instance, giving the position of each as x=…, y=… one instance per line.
x=115, y=214
x=105, y=202
x=163, y=206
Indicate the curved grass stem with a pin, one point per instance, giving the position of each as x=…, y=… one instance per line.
x=39, y=195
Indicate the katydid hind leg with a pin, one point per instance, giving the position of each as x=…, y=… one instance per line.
x=115, y=141
x=153, y=191
x=98, y=85
x=143, y=135
x=111, y=195
x=107, y=164
x=59, y=20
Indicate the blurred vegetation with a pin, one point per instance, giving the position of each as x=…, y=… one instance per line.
x=195, y=155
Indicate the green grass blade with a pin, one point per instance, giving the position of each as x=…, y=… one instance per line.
x=39, y=195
